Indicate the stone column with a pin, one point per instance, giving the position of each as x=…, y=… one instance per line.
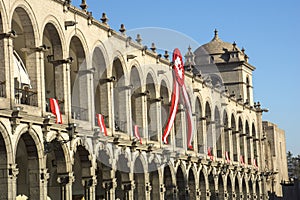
x=128, y=188
x=148, y=189
x=44, y=183
x=89, y=184
x=162, y=191
x=65, y=181
x=109, y=186
x=13, y=172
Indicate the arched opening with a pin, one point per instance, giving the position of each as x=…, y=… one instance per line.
x=56, y=166
x=27, y=160
x=221, y=195
x=3, y=70
x=251, y=191
x=229, y=189
x=212, y=188
x=249, y=148
x=242, y=141
x=103, y=173
x=165, y=106
x=101, y=85
x=83, y=177
x=192, y=186
x=226, y=133
x=257, y=191
x=244, y=190
x=209, y=136
x=122, y=176
x=180, y=182
x=154, y=181
x=120, y=98
x=137, y=101
x=234, y=138
x=199, y=126
x=53, y=71
x=237, y=189
x=139, y=180
x=3, y=168
x=218, y=133
x=79, y=81
x=151, y=109
x=25, y=69
x=169, y=187
x=202, y=186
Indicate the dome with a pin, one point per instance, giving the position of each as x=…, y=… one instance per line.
x=216, y=46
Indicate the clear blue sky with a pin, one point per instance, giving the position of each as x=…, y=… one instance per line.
x=268, y=30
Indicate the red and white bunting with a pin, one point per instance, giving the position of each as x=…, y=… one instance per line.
x=54, y=107
x=137, y=133
x=254, y=163
x=101, y=124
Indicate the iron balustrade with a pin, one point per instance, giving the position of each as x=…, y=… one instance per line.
x=26, y=96
x=79, y=113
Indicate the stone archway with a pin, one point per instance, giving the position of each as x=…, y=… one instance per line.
x=229, y=189
x=27, y=160
x=212, y=188
x=168, y=183
x=181, y=184
x=139, y=180
x=202, y=186
x=221, y=191
x=124, y=184
x=57, y=169
x=192, y=186
x=83, y=175
x=154, y=181
x=3, y=169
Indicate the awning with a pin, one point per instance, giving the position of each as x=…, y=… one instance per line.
x=20, y=72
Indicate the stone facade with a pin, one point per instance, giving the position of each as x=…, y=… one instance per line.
x=91, y=69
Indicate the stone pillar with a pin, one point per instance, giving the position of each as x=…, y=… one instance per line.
x=44, y=182
x=67, y=96
x=13, y=172
x=9, y=69
x=128, y=188
x=148, y=189
x=65, y=181
x=162, y=191
x=89, y=184
x=109, y=186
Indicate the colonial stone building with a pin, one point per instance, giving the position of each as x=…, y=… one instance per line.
x=50, y=49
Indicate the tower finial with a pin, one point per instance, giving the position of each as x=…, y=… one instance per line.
x=216, y=37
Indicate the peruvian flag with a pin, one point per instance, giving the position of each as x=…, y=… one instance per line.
x=227, y=157
x=254, y=163
x=137, y=133
x=242, y=160
x=54, y=107
x=101, y=124
x=209, y=153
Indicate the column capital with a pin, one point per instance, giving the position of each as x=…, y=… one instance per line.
x=148, y=187
x=128, y=185
x=13, y=171
x=66, y=178
x=89, y=181
x=109, y=184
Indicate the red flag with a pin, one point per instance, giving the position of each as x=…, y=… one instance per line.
x=54, y=107
x=101, y=124
x=137, y=134
x=242, y=160
x=209, y=153
x=227, y=157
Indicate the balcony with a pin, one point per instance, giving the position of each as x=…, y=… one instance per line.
x=79, y=113
x=26, y=96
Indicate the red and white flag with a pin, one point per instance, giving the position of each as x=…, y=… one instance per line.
x=209, y=153
x=242, y=160
x=227, y=157
x=137, y=133
x=101, y=124
x=54, y=107
x=254, y=163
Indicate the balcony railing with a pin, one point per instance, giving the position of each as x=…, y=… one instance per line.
x=26, y=96
x=2, y=89
x=79, y=113
x=120, y=126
